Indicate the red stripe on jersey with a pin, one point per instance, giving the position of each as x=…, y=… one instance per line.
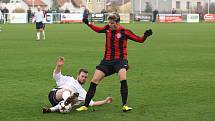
x=116, y=45
x=108, y=46
x=125, y=49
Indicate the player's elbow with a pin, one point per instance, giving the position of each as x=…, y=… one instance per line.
x=142, y=39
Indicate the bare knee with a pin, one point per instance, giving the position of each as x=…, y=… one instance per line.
x=96, y=80
x=97, y=77
x=122, y=74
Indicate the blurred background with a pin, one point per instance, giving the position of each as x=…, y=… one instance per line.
x=130, y=10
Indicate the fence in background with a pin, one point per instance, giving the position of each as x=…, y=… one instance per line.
x=102, y=18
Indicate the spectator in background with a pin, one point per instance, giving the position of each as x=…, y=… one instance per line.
x=49, y=11
x=1, y=15
x=5, y=12
x=173, y=11
x=29, y=14
x=67, y=11
x=86, y=13
x=104, y=12
x=155, y=12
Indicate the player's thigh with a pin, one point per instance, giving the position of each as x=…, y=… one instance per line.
x=122, y=74
x=106, y=68
x=59, y=94
x=121, y=67
x=52, y=99
x=98, y=76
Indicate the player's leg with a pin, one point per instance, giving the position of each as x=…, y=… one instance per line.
x=43, y=31
x=124, y=86
x=52, y=109
x=62, y=94
x=38, y=34
x=73, y=99
x=38, y=31
x=124, y=89
x=121, y=68
x=46, y=110
x=52, y=97
x=97, y=77
x=54, y=102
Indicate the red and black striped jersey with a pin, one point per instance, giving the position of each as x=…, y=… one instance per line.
x=116, y=41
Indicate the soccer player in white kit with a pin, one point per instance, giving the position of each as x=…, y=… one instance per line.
x=40, y=18
x=67, y=86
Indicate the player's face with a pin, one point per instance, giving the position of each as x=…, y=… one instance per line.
x=112, y=24
x=82, y=77
x=38, y=8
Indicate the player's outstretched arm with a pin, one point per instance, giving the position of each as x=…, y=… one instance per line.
x=59, y=64
x=136, y=38
x=94, y=27
x=102, y=102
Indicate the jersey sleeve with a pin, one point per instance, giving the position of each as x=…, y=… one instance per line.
x=57, y=76
x=130, y=35
x=98, y=29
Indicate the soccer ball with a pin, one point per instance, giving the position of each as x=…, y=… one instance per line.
x=64, y=108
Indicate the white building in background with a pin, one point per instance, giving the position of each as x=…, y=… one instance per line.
x=48, y=3
x=12, y=5
x=74, y=6
x=23, y=4
x=95, y=6
x=71, y=5
x=167, y=5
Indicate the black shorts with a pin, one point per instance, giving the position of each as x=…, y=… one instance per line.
x=113, y=66
x=52, y=95
x=40, y=25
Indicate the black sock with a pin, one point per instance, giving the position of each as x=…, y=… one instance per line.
x=90, y=93
x=124, y=91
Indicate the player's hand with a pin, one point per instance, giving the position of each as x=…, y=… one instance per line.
x=85, y=20
x=148, y=33
x=60, y=61
x=109, y=100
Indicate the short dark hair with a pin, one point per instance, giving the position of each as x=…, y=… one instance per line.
x=82, y=70
x=115, y=17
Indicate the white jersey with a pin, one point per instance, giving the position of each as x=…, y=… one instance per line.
x=39, y=16
x=68, y=82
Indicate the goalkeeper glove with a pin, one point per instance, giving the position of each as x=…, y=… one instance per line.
x=85, y=20
x=148, y=33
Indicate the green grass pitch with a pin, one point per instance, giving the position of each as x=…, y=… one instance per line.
x=172, y=75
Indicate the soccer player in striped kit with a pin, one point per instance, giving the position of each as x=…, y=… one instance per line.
x=115, y=57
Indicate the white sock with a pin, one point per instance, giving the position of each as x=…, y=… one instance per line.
x=38, y=35
x=65, y=95
x=43, y=32
x=55, y=108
